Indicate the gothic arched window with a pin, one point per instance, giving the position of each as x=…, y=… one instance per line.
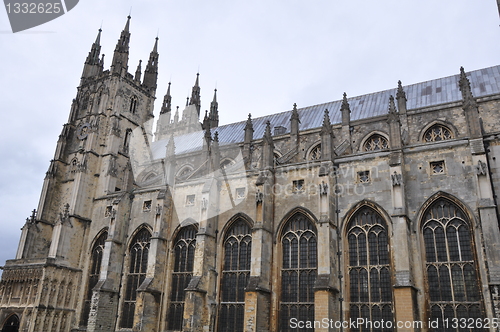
x=138, y=262
x=450, y=265
x=436, y=133
x=315, y=153
x=369, y=275
x=94, y=271
x=235, y=274
x=376, y=142
x=184, y=247
x=133, y=104
x=299, y=270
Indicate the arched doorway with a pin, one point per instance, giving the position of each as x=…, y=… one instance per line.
x=11, y=324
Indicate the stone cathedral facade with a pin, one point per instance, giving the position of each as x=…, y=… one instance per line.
x=379, y=209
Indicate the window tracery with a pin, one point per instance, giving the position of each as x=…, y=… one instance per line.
x=184, y=247
x=437, y=132
x=94, y=272
x=138, y=262
x=299, y=271
x=370, y=286
x=235, y=274
x=376, y=142
x=451, y=269
x=315, y=153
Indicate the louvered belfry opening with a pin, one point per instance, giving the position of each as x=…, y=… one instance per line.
x=94, y=271
x=184, y=247
x=299, y=271
x=452, y=278
x=235, y=275
x=138, y=262
x=369, y=272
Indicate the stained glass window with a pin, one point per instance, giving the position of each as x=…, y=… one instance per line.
x=235, y=274
x=369, y=279
x=451, y=270
x=94, y=271
x=138, y=262
x=299, y=271
x=376, y=142
x=184, y=247
x=437, y=133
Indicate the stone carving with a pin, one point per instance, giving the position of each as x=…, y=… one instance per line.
x=204, y=203
x=481, y=168
x=323, y=188
x=259, y=197
x=397, y=179
x=158, y=209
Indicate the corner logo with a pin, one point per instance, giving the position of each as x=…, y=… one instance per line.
x=26, y=14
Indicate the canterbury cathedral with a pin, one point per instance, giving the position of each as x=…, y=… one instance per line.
x=367, y=213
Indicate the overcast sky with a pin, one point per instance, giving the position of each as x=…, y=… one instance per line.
x=262, y=55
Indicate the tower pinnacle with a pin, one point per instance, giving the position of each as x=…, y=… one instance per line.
x=120, y=56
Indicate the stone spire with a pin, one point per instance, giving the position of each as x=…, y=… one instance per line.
x=249, y=129
x=294, y=121
x=469, y=105
x=346, y=110
x=151, y=72
x=166, y=107
x=138, y=72
x=267, y=148
x=326, y=134
x=401, y=97
x=465, y=88
x=393, y=112
x=120, y=56
x=247, y=143
x=92, y=63
x=214, y=112
x=394, y=125
x=195, y=95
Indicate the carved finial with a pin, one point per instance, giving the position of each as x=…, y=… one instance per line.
x=464, y=85
x=401, y=93
x=327, y=125
x=267, y=133
x=295, y=113
x=345, y=104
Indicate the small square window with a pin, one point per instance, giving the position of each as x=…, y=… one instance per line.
x=240, y=193
x=146, y=207
x=298, y=185
x=364, y=177
x=190, y=199
x=437, y=167
x=107, y=212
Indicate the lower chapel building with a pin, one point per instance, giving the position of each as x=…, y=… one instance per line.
x=381, y=207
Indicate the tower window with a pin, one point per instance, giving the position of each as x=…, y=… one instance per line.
x=364, y=177
x=240, y=193
x=235, y=274
x=370, y=286
x=451, y=271
x=138, y=262
x=299, y=271
x=184, y=247
x=133, y=104
x=437, y=167
x=298, y=186
x=146, y=207
x=190, y=199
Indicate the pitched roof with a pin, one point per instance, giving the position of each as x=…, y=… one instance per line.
x=429, y=93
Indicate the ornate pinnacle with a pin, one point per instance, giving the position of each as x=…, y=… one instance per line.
x=401, y=93
x=345, y=104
